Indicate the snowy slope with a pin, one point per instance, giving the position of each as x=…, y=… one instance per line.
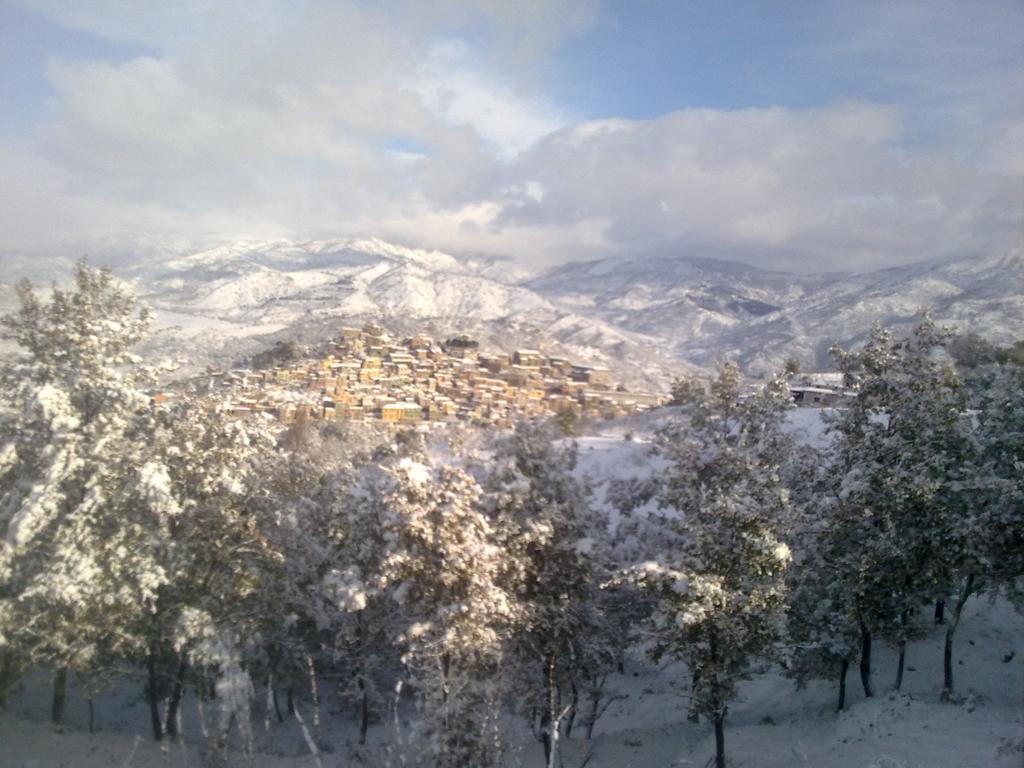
x=283, y=281
x=648, y=318
x=705, y=309
x=231, y=294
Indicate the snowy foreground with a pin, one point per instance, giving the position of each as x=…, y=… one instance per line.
x=771, y=725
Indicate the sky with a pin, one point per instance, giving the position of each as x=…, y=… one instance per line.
x=785, y=133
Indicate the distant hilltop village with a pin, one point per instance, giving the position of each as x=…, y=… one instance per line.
x=368, y=375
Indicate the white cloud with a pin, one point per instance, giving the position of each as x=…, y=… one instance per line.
x=334, y=114
x=146, y=22
x=399, y=120
x=821, y=187
x=508, y=121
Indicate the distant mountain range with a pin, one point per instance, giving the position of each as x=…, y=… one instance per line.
x=647, y=318
x=704, y=309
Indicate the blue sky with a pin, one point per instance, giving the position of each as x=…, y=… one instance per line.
x=27, y=41
x=839, y=134
x=676, y=55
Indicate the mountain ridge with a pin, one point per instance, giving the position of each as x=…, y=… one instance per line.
x=647, y=317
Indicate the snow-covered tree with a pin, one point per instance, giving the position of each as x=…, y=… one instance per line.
x=554, y=545
x=194, y=494
x=331, y=546
x=72, y=573
x=719, y=576
x=991, y=544
x=443, y=566
x=1001, y=439
x=822, y=630
x=901, y=510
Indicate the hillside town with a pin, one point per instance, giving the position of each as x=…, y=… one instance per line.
x=368, y=375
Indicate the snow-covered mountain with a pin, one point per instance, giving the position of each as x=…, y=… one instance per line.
x=647, y=317
x=705, y=309
x=238, y=297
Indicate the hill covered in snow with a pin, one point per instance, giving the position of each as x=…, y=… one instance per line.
x=239, y=292
x=648, y=318
x=705, y=309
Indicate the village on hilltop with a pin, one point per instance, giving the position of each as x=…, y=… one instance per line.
x=366, y=374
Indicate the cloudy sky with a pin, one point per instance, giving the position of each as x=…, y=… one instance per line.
x=818, y=135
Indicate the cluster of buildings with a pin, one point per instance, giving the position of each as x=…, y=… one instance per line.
x=367, y=374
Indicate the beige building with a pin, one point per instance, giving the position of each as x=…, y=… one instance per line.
x=401, y=412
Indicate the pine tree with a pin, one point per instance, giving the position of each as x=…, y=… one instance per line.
x=554, y=547
x=719, y=577
x=1001, y=440
x=194, y=496
x=443, y=566
x=905, y=467
x=71, y=400
x=331, y=545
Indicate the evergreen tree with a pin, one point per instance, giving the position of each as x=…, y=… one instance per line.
x=215, y=554
x=554, y=547
x=719, y=577
x=347, y=540
x=905, y=469
x=443, y=566
x=69, y=402
x=1001, y=439
x=822, y=626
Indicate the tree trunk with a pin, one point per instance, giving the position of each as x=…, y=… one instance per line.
x=171, y=718
x=291, y=701
x=572, y=712
x=60, y=694
x=153, y=696
x=902, y=645
x=314, y=689
x=717, y=704
x=314, y=749
x=547, y=717
x=364, y=704
x=364, y=711
x=940, y=611
x=693, y=713
x=947, y=654
x=595, y=702
x=277, y=706
x=844, y=665
x=446, y=668
x=7, y=675
x=92, y=716
x=901, y=659
x=865, y=660
x=720, y=740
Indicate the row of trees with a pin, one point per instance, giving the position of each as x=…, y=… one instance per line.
x=218, y=554
x=920, y=500
x=804, y=555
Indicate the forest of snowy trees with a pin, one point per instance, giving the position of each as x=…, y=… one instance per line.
x=467, y=576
